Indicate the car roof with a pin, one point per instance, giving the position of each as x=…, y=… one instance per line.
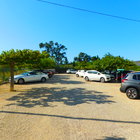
x=91, y=70
x=134, y=73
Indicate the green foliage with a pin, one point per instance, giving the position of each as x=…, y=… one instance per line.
x=136, y=68
x=4, y=73
x=14, y=58
x=82, y=57
x=108, y=62
x=85, y=61
x=19, y=57
x=81, y=65
x=44, y=63
x=26, y=58
x=94, y=58
x=56, y=51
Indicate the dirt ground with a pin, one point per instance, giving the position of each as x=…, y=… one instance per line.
x=68, y=108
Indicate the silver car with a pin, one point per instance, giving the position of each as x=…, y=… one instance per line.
x=30, y=76
x=71, y=71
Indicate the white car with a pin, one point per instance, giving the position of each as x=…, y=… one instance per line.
x=30, y=76
x=69, y=71
x=80, y=73
x=96, y=76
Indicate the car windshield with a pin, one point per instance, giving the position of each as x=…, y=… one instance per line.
x=40, y=73
x=25, y=73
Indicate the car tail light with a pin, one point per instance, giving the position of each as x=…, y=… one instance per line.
x=123, y=80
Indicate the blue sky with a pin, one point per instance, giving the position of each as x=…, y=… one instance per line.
x=26, y=23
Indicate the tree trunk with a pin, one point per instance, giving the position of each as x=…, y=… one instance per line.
x=12, y=77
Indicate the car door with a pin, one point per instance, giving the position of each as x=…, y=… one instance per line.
x=96, y=75
x=28, y=77
x=136, y=80
x=39, y=75
x=92, y=75
x=32, y=76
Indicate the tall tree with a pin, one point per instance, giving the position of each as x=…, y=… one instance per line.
x=82, y=57
x=94, y=58
x=20, y=57
x=57, y=51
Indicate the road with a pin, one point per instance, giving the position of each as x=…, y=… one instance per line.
x=68, y=108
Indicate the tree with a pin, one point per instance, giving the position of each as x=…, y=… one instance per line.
x=44, y=63
x=110, y=62
x=81, y=62
x=18, y=58
x=82, y=57
x=56, y=51
x=94, y=58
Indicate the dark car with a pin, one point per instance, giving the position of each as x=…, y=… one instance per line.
x=49, y=72
x=119, y=75
x=131, y=85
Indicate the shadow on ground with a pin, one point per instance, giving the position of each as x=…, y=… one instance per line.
x=75, y=118
x=63, y=79
x=112, y=138
x=45, y=97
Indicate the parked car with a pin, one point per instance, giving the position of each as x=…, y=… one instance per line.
x=71, y=71
x=49, y=72
x=108, y=73
x=93, y=75
x=119, y=75
x=30, y=76
x=80, y=73
x=131, y=85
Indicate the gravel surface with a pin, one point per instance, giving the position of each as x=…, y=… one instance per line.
x=68, y=108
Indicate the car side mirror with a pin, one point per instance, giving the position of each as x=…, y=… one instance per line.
x=98, y=73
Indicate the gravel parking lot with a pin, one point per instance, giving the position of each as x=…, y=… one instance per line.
x=68, y=108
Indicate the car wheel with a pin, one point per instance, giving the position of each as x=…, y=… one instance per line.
x=77, y=75
x=49, y=75
x=86, y=78
x=132, y=93
x=43, y=79
x=21, y=81
x=102, y=80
